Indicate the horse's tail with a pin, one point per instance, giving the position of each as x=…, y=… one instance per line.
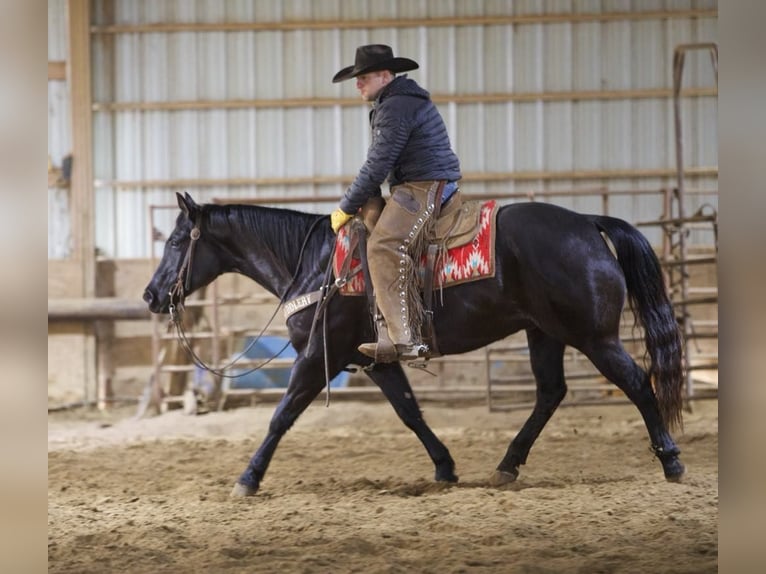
x=653, y=310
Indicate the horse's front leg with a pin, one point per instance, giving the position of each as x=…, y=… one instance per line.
x=393, y=382
x=301, y=391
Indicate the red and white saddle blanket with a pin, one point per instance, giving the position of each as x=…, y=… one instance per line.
x=470, y=252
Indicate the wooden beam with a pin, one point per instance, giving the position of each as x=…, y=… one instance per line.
x=81, y=183
x=497, y=98
x=57, y=71
x=83, y=233
x=530, y=195
x=701, y=171
x=109, y=308
x=399, y=23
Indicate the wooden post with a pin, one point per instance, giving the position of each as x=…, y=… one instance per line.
x=104, y=331
x=81, y=199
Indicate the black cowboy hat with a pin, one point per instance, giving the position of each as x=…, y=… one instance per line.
x=373, y=58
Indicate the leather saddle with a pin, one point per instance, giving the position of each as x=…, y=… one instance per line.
x=458, y=224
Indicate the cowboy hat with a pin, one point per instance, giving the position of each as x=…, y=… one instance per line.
x=373, y=58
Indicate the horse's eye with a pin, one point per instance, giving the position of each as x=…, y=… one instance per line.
x=174, y=243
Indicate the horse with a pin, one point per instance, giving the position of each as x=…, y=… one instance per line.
x=555, y=277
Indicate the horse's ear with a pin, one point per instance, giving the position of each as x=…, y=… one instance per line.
x=187, y=204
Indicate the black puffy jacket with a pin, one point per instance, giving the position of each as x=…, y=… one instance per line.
x=409, y=143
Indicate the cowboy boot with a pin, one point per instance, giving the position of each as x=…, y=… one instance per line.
x=392, y=248
x=384, y=351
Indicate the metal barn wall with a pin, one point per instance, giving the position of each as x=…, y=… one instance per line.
x=59, y=133
x=221, y=112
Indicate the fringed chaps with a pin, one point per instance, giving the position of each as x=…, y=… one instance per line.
x=396, y=243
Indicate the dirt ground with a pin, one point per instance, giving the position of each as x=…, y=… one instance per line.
x=350, y=490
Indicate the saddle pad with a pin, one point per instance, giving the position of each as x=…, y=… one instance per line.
x=472, y=260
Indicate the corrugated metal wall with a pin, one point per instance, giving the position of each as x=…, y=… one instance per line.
x=59, y=133
x=301, y=142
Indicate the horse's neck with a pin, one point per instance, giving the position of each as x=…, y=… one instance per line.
x=268, y=250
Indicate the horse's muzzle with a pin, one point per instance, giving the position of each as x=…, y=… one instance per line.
x=151, y=301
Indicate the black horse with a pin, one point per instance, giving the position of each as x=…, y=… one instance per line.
x=555, y=277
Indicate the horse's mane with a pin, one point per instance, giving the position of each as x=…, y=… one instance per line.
x=282, y=230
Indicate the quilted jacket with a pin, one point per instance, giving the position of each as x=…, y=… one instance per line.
x=409, y=143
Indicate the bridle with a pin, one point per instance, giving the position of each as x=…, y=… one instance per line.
x=183, y=282
x=182, y=286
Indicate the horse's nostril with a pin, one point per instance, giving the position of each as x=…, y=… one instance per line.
x=148, y=297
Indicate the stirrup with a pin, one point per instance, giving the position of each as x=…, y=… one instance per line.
x=384, y=352
x=415, y=351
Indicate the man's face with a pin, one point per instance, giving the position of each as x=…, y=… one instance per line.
x=369, y=85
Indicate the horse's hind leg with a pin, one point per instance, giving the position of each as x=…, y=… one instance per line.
x=393, y=382
x=547, y=359
x=611, y=359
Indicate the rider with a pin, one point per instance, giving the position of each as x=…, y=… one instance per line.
x=411, y=147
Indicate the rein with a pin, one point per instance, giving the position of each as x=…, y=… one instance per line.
x=326, y=290
x=183, y=286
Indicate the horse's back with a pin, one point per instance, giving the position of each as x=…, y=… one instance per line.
x=550, y=235
x=535, y=217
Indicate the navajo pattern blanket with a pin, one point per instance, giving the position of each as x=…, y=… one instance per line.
x=470, y=261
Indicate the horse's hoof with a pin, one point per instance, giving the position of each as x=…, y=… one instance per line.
x=501, y=477
x=241, y=491
x=445, y=474
x=675, y=472
x=450, y=479
x=676, y=477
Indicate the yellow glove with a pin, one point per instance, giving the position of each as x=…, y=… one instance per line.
x=338, y=219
